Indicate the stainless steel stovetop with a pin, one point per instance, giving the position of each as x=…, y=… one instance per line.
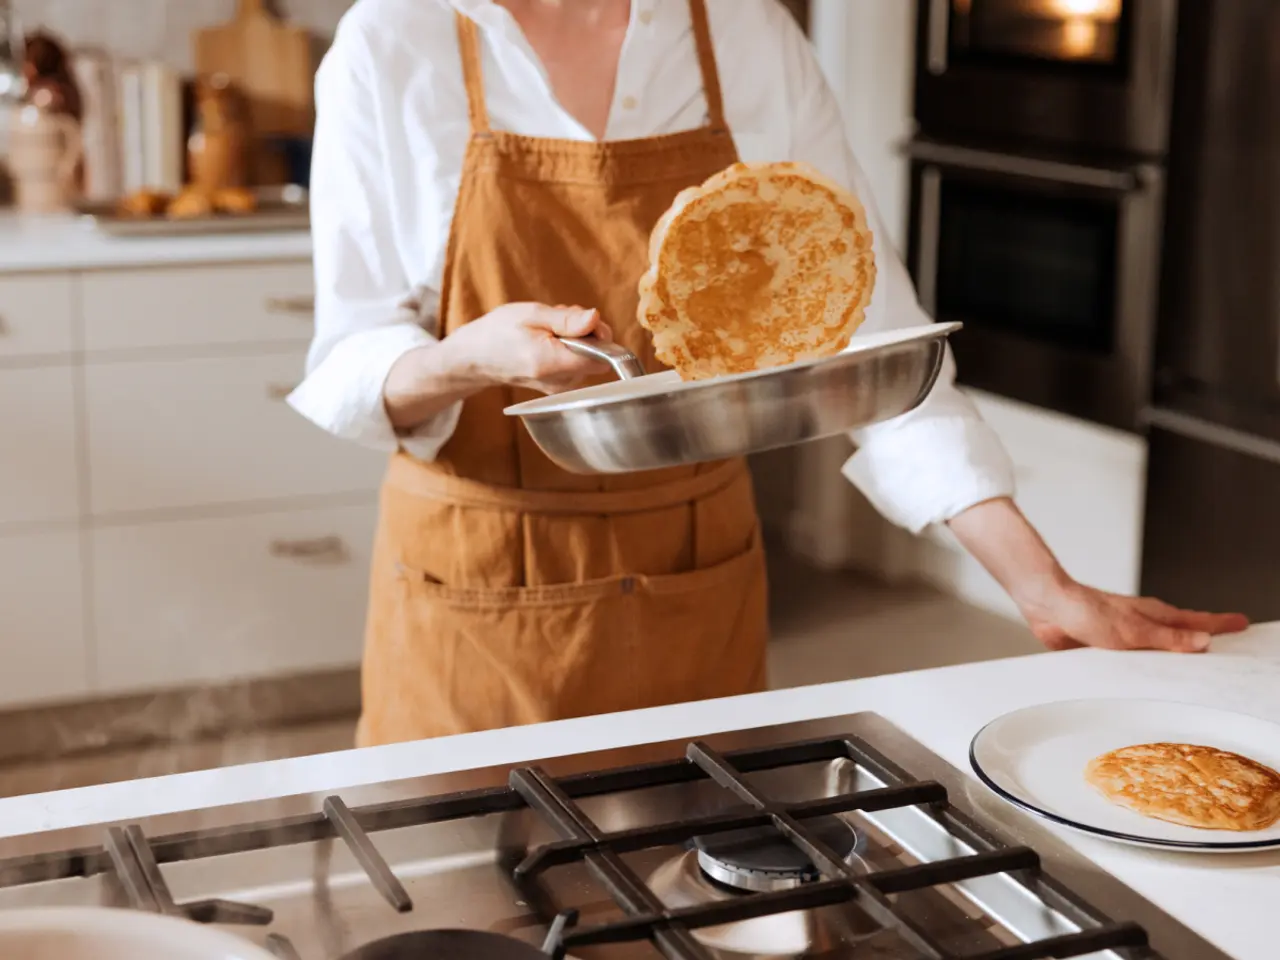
x=842, y=838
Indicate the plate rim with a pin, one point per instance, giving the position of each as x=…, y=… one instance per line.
x=1119, y=836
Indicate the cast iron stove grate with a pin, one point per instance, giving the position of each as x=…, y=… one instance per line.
x=136, y=860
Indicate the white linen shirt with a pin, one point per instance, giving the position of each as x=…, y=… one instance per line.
x=390, y=134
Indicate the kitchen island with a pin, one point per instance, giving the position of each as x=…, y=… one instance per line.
x=1225, y=898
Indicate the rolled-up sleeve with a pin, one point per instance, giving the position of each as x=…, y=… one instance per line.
x=367, y=314
x=933, y=463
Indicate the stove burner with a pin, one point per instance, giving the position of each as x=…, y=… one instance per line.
x=762, y=860
x=447, y=945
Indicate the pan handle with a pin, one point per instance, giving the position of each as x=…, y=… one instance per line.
x=625, y=363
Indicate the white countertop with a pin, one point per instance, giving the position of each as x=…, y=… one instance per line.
x=66, y=243
x=1227, y=899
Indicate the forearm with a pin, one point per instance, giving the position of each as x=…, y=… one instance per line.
x=426, y=381
x=999, y=537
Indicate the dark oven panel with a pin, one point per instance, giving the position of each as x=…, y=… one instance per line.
x=1081, y=73
x=1051, y=266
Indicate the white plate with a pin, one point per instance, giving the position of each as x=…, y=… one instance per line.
x=100, y=933
x=1035, y=758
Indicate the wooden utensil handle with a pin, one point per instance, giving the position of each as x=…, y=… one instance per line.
x=248, y=9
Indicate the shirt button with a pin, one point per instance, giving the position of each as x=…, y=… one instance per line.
x=646, y=17
x=628, y=103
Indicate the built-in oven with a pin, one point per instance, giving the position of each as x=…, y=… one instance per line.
x=1053, y=268
x=1082, y=73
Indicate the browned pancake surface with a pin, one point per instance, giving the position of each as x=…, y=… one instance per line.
x=1191, y=785
x=762, y=265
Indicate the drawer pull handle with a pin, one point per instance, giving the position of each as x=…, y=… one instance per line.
x=329, y=549
x=280, y=391
x=301, y=306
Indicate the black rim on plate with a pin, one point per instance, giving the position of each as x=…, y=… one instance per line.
x=1137, y=838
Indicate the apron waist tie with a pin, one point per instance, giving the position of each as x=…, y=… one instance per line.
x=425, y=480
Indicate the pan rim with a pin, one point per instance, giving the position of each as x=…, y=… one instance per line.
x=881, y=342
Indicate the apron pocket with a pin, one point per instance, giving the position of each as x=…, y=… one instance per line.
x=476, y=658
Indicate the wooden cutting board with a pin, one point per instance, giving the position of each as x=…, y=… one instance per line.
x=271, y=64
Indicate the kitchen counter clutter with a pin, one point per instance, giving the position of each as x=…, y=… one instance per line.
x=1225, y=899
x=31, y=244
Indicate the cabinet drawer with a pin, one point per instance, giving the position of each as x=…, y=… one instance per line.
x=36, y=315
x=194, y=306
x=39, y=476
x=228, y=598
x=165, y=434
x=44, y=653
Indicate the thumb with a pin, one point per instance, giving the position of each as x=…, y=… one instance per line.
x=567, y=321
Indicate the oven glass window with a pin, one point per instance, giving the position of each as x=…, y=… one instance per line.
x=1056, y=31
x=1036, y=266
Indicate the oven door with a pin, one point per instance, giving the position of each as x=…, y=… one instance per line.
x=1052, y=267
x=1085, y=73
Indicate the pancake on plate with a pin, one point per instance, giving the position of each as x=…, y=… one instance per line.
x=1189, y=785
x=763, y=265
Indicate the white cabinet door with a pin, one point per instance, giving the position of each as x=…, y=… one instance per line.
x=182, y=433
x=212, y=600
x=43, y=651
x=194, y=306
x=36, y=315
x=39, y=472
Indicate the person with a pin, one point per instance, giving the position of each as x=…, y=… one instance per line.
x=486, y=174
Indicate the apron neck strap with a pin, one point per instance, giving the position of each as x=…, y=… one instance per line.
x=469, y=46
x=707, y=64
x=472, y=74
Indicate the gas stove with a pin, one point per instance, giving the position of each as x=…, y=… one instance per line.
x=842, y=838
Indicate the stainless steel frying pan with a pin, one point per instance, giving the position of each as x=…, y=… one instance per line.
x=645, y=422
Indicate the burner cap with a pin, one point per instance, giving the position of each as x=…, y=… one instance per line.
x=447, y=945
x=762, y=859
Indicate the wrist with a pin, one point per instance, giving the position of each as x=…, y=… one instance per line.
x=1036, y=591
x=453, y=366
x=428, y=379
x=1000, y=538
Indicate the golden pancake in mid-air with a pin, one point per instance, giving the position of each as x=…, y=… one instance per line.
x=762, y=265
x=1189, y=785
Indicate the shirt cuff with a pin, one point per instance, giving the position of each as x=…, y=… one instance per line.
x=343, y=394
x=932, y=469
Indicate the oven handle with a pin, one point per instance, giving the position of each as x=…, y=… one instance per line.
x=1212, y=434
x=1100, y=178
x=939, y=35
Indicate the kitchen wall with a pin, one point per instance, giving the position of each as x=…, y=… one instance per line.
x=156, y=29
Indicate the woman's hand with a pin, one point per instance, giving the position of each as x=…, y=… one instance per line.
x=516, y=345
x=1063, y=613
x=1073, y=615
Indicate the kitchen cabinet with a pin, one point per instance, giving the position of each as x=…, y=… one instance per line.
x=165, y=518
x=217, y=431
x=227, y=598
x=46, y=653
x=39, y=475
x=36, y=316
x=197, y=306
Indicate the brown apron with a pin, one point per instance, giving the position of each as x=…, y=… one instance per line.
x=505, y=590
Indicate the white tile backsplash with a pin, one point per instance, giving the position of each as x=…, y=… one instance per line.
x=156, y=29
